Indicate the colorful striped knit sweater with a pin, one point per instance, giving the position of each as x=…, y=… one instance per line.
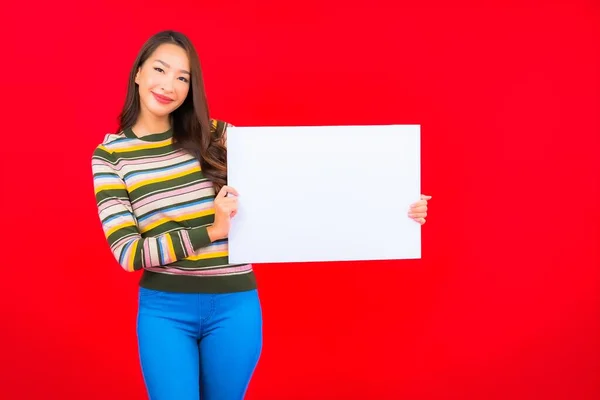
x=155, y=206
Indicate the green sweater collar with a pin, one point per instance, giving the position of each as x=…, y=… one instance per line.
x=153, y=137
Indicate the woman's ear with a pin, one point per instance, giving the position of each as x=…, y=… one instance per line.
x=137, y=76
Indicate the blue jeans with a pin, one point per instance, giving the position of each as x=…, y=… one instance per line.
x=194, y=346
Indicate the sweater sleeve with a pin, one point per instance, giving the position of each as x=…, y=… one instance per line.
x=130, y=249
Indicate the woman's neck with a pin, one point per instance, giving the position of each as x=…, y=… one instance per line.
x=148, y=125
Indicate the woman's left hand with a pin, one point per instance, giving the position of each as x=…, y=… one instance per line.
x=418, y=210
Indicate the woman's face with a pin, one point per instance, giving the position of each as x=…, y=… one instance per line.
x=164, y=80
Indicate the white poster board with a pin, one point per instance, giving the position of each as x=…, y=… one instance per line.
x=326, y=193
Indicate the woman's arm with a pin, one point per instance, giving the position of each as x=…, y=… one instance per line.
x=130, y=249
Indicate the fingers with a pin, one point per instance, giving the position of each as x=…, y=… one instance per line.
x=228, y=204
x=422, y=202
x=232, y=207
x=222, y=193
x=225, y=190
x=224, y=202
x=418, y=210
x=232, y=190
x=420, y=220
x=421, y=205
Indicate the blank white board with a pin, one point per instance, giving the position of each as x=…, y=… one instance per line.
x=324, y=193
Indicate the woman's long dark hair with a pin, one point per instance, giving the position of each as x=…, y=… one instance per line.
x=192, y=128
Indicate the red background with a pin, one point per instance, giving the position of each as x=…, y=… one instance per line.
x=505, y=302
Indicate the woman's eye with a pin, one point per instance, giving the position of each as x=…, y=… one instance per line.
x=184, y=79
x=159, y=69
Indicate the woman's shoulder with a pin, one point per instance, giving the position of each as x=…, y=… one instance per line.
x=109, y=142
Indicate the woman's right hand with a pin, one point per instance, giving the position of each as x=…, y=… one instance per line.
x=225, y=208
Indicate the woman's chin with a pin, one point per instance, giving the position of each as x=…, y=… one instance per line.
x=160, y=112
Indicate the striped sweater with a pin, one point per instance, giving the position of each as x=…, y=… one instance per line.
x=155, y=206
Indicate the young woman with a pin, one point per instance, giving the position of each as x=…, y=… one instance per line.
x=160, y=186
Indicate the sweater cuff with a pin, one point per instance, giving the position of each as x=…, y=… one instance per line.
x=199, y=237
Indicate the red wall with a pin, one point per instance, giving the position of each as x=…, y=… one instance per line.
x=505, y=302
